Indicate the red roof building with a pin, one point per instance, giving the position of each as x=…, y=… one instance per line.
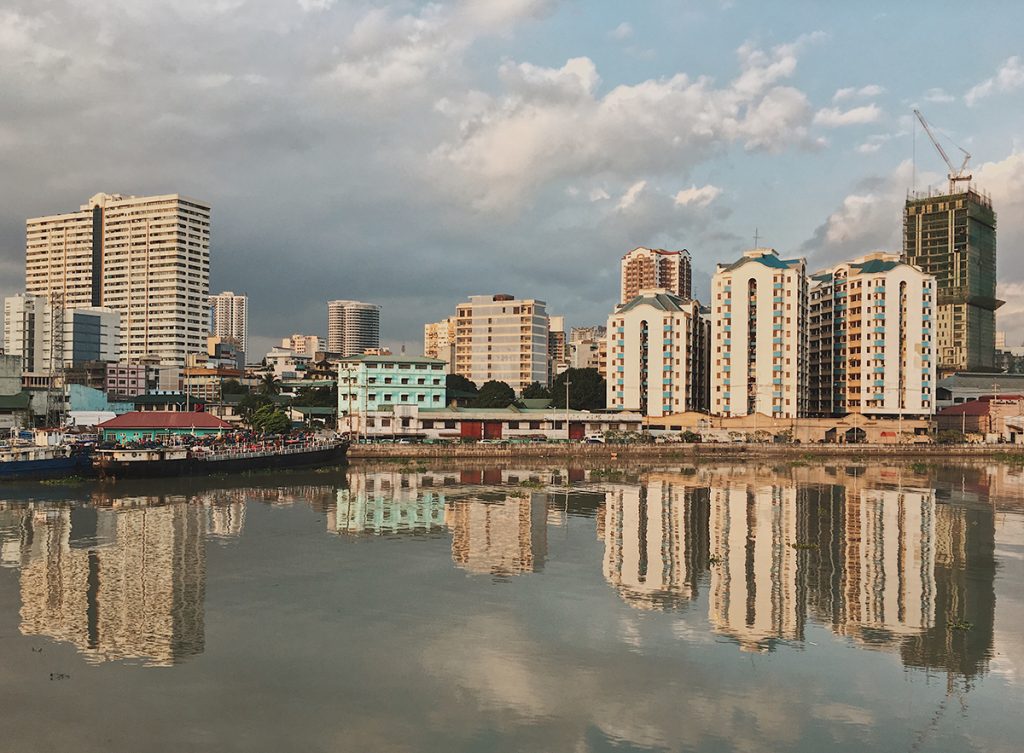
x=986, y=415
x=136, y=425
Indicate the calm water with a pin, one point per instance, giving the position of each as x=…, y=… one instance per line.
x=722, y=608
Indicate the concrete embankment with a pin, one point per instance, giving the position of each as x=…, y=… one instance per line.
x=667, y=451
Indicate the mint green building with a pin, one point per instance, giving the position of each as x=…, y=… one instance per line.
x=375, y=383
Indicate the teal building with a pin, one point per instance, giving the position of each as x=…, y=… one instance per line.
x=379, y=383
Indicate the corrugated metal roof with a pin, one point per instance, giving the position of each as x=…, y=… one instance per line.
x=154, y=419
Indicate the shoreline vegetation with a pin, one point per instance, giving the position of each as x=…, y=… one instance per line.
x=1012, y=454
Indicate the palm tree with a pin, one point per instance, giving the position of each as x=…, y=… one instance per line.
x=270, y=385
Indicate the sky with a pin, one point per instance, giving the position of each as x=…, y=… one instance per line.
x=412, y=154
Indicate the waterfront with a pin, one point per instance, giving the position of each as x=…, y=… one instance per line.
x=771, y=605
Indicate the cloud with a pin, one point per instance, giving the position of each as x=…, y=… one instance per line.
x=851, y=92
x=698, y=196
x=833, y=117
x=630, y=196
x=1009, y=77
x=552, y=124
x=874, y=143
x=622, y=32
x=939, y=95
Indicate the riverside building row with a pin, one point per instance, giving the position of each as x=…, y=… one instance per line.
x=857, y=338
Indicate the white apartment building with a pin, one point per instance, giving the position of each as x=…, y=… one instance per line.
x=439, y=340
x=229, y=317
x=759, y=345
x=89, y=333
x=352, y=327
x=502, y=338
x=871, y=339
x=148, y=258
x=658, y=355
x=304, y=345
x=649, y=268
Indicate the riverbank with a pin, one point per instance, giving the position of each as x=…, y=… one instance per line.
x=358, y=452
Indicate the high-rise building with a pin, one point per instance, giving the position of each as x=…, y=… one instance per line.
x=502, y=338
x=870, y=341
x=759, y=336
x=352, y=327
x=305, y=345
x=658, y=355
x=229, y=317
x=148, y=258
x=953, y=237
x=439, y=340
x=648, y=268
x=89, y=333
x=558, y=351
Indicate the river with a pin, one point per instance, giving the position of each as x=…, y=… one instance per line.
x=768, y=606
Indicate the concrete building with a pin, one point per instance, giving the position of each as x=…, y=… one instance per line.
x=953, y=237
x=658, y=355
x=987, y=416
x=871, y=344
x=89, y=333
x=286, y=364
x=148, y=258
x=160, y=424
x=368, y=384
x=229, y=317
x=588, y=347
x=759, y=347
x=439, y=340
x=965, y=386
x=648, y=268
x=352, y=327
x=558, y=348
x=502, y=338
x=305, y=345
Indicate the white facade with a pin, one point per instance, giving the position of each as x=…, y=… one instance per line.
x=502, y=338
x=439, y=340
x=147, y=258
x=657, y=355
x=871, y=339
x=229, y=317
x=89, y=333
x=759, y=346
x=352, y=327
x=648, y=268
x=306, y=345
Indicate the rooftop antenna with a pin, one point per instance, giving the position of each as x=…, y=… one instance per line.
x=757, y=237
x=955, y=175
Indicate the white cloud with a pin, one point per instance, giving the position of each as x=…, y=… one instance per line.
x=630, y=196
x=833, y=117
x=622, y=31
x=316, y=6
x=850, y=92
x=700, y=197
x=874, y=143
x=1009, y=77
x=598, y=194
x=938, y=94
x=553, y=123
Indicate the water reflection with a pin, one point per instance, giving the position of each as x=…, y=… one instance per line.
x=885, y=558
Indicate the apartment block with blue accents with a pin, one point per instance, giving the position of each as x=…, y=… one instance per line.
x=368, y=383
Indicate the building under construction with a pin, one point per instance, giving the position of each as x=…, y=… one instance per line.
x=953, y=237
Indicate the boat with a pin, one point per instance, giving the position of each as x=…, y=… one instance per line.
x=41, y=463
x=164, y=461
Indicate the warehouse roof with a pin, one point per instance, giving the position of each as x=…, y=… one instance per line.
x=154, y=419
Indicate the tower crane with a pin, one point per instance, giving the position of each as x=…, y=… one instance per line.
x=955, y=176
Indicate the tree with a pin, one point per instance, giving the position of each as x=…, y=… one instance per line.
x=586, y=390
x=270, y=385
x=457, y=385
x=251, y=403
x=233, y=387
x=271, y=420
x=536, y=390
x=325, y=397
x=494, y=395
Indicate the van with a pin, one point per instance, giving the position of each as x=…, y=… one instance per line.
x=594, y=439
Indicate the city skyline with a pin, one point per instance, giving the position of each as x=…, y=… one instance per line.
x=824, y=176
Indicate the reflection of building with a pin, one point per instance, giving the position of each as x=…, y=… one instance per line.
x=655, y=542
x=132, y=586
x=755, y=580
x=385, y=512
x=502, y=538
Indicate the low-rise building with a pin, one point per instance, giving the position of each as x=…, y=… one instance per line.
x=367, y=384
x=985, y=416
x=155, y=425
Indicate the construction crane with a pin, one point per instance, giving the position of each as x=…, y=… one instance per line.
x=955, y=176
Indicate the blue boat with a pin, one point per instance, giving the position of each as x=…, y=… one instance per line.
x=31, y=462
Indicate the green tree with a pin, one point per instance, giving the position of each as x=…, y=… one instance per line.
x=457, y=385
x=269, y=384
x=536, y=390
x=494, y=395
x=325, y=397
x=251, y=403
x=233, y=387
x=586, y=390
x=271, y=420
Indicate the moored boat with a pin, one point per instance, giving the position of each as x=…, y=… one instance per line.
x=152, y=462
x=42, y=463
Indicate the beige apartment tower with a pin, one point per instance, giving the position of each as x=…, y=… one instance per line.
x=229, y=317
x=502, y=338
x=648, y=268
x=145, y=257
